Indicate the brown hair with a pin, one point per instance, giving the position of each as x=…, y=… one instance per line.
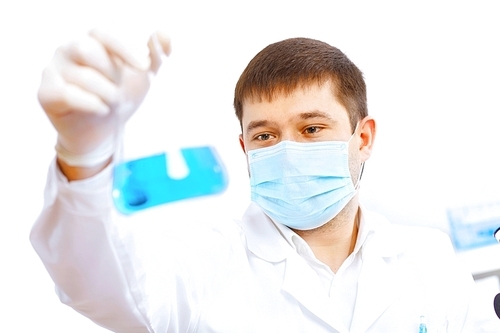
x=282, y=67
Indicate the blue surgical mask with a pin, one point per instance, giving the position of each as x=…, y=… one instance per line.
x=301, y=185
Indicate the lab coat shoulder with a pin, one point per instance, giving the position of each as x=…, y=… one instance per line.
x=423, y=245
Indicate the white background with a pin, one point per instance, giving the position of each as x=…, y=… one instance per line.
x=432, y=70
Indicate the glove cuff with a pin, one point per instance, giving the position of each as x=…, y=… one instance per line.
x=87, y=160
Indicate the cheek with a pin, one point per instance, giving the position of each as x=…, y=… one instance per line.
x=354, y=149
x=354, y=160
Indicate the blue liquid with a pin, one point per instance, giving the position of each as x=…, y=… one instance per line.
x=144, y=183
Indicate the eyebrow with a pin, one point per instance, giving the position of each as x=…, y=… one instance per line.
x=258, y=123
x=315, y=114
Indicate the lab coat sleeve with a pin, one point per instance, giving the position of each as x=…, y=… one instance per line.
x=73, y=237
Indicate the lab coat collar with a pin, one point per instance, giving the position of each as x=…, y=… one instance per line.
x=262, y=236
x=383, y=239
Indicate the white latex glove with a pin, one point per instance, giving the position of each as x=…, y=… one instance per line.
x=90, y=89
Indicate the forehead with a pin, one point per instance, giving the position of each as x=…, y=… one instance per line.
x=314, y=98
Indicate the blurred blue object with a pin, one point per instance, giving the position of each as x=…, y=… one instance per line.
x=145, y=182
x=474, y=226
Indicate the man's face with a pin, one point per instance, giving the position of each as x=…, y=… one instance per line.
x=307, y=115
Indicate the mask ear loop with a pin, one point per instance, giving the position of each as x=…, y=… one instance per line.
x=356, y=187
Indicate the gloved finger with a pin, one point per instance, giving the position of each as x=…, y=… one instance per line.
x=117, y=49
x=80, y=100
x=57, y=97
x=92, y=81
x=159, y=44
x=91, y=53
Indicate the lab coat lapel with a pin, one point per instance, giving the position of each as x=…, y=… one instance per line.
x=379, y=282
x=303, y=284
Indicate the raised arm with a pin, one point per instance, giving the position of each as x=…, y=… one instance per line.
x=88, y=91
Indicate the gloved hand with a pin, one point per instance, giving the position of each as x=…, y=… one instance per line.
x=90, y=89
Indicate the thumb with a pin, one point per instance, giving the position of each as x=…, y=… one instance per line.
x=159, y=44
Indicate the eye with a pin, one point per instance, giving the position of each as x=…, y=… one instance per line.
x=263, y=137
x=312, y=130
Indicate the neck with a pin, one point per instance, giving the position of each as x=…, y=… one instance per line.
x=333, y=242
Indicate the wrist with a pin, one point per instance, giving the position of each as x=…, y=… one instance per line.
x=72, y=172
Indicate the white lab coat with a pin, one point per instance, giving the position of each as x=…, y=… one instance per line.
x=238, y=277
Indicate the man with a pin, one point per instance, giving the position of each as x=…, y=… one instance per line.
x=306, y=257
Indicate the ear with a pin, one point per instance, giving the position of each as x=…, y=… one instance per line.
x=242, y=143
x=367, y=129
